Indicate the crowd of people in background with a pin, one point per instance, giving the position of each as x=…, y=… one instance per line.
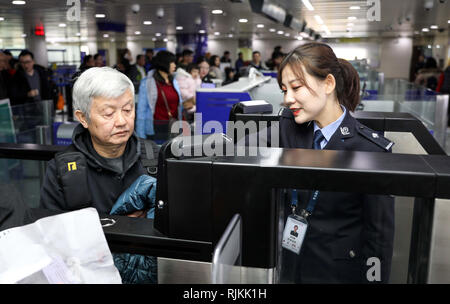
x=23, y=81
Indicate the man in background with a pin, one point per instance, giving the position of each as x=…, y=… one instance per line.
x=137, y=72
x=148, y=60
x=30, y=82
x=226, y=57
x=98, y=59
x=257, y=62
x=239, y=62
x=3, y=75
x=187, y=59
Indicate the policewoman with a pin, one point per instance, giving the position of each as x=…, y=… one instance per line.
x=348, y=235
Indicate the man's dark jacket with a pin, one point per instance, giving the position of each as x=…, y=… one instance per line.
x=20, y=86
x=104, y=184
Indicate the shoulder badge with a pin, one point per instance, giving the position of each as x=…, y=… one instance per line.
x=374, y=137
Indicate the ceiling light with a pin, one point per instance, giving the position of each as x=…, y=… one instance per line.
x=137, y=32
x=1, y=18
x=78, y=34
x=217, y=12
x=280, y=32
x=438, y=46
x=425, y=29
x=148, y=22
x=201, y=31
x=154, y=39
x=62, y=25
x=230, y=35
x=100, y=15
x=19, y=2
x=216, y=33
x=299, y=38
x=260, y=25
x=165, y=39
x=243, y=20
x=355, y=7
x=429, y=46
x=318, y=19
x=308, y=5
x=352, y=18
x=158, y=34
x=434, y=27
x=287, y=34
x=179, y=28
x=105, y=35
x=24, y=35
x=272, y=30
x=448, y=21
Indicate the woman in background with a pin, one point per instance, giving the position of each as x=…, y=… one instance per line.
x=159, y=98
x=214, y=69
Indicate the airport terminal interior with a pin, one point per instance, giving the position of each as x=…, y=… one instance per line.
x=210, y=150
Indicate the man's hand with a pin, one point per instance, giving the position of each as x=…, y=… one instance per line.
x=139, y=213
x=33, y=93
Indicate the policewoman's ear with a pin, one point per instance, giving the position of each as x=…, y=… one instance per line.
x=81, y=118
x=330, y=84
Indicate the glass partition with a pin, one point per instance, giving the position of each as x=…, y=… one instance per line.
x=401, y=96
x=22, y=177
x=19, y=123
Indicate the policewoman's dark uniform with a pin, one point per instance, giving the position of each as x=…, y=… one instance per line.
x=345, y=229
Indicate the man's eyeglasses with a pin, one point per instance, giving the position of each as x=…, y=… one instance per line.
x=26, y=62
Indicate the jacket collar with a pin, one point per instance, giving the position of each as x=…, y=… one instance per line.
x=81, y=139
x=345, y=130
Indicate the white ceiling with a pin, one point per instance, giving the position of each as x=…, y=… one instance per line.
x=398, y=17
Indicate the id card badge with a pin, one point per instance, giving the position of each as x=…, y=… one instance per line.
x=294, y=233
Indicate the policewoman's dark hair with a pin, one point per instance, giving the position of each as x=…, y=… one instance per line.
x=161, y=62
x=319, y=60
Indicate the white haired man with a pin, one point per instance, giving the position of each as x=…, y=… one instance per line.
x=103, y=160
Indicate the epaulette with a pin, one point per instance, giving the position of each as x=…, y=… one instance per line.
x=374, y=137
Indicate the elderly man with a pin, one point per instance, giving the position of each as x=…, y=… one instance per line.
x=104, y=158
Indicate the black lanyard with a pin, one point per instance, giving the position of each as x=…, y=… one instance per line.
x=311, y=204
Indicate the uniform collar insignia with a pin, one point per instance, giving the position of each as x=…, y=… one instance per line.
x=344, y=131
